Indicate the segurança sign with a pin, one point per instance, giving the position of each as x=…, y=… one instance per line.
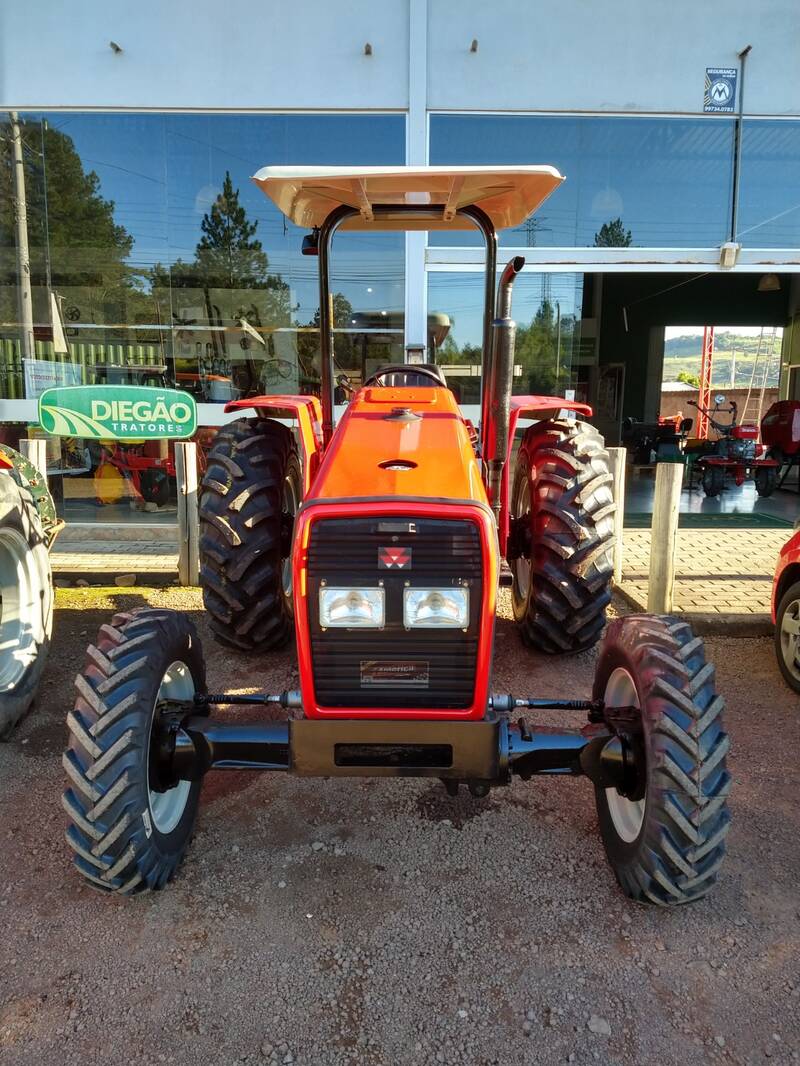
x=118, y=412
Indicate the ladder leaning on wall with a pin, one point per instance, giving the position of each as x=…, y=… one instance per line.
x=767, y=359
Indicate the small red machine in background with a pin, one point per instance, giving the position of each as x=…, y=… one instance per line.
x=736, y=452
x=140, y=464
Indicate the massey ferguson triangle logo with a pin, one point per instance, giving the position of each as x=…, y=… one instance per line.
x=394, y=558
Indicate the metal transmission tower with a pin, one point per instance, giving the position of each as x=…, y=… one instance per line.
x=706, y=368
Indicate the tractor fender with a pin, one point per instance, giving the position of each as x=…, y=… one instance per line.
x=537, y=408
x=306, y=411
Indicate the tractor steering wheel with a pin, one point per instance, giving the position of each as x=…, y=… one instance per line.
x=408, y=368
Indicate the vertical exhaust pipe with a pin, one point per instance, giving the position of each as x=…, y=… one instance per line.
x=501, y=380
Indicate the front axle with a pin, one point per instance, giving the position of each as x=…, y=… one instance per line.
x=187, y=744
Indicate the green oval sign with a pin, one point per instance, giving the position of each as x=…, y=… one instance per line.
x=118, y=412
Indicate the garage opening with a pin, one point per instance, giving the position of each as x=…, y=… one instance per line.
x=669, y=342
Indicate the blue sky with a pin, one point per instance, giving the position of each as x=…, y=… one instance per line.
x=163, y=172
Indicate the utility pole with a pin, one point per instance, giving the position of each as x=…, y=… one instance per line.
x=24, y=295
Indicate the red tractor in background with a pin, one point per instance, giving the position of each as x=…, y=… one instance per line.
x=780, y=432
x=143, y=470
x=377, y=544
x=735, y=453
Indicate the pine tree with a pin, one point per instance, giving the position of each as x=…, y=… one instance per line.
x=613, y=235
x=229, y=255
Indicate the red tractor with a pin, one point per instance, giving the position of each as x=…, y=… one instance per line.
x=378, y=543
x=735, y=453
x=780, y=432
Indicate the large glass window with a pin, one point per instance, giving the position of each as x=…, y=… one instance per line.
x=165, y=259
x=769, y=197
x=643, y=182
x=155, y=260
x=555, y=347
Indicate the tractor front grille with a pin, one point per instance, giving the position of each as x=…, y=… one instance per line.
x=394, y=667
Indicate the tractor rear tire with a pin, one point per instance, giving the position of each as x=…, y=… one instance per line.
x=250, y=494
x=665, y=843
x=127, y=835
x=713, y=481
x=766, y=480
x=26, y=602
x=563, y=514
x=155, y=487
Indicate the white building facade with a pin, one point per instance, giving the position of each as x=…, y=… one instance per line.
x=137, y=116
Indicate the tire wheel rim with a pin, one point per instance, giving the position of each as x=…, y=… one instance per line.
x=522, y=565
x=627, y=815
x=288, y=507
x=21, y=606
x=166, y=808
x=790, y=638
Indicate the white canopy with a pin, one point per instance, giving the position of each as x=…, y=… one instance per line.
x=508, y=195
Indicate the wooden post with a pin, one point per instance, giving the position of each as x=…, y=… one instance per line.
x=616, y=465
x=664, y=537
x=35, y=451
x=188, y=516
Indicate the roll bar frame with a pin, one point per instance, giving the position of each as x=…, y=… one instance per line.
x=329, y=227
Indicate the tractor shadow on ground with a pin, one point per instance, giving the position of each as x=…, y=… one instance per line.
x=75, y=625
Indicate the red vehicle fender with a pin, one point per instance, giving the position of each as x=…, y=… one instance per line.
x=542, y=407
x=306, y=411
x=787, y=569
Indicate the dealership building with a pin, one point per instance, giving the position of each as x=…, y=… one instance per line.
x=129, y=135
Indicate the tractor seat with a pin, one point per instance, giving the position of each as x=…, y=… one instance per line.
x=407, y=376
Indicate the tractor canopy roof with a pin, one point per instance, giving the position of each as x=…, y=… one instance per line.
x=508, y=195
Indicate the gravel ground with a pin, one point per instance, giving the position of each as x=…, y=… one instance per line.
x=384, y=923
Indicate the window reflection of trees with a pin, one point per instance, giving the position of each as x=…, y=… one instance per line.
x=223, y=321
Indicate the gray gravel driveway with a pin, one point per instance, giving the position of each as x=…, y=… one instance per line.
x=385, y=923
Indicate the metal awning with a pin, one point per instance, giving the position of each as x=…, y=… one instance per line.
x=508, y=195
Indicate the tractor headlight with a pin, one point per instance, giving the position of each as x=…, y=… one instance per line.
x=436, y=608
x=351, y=608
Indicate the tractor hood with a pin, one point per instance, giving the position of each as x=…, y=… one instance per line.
x=400, y=442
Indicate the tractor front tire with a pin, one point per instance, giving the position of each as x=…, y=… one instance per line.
x=665, y=842
x=26, y=602
x=562, y=530
x=766, y=480
x=127, y=834
x=713, y=481
x=250, y=494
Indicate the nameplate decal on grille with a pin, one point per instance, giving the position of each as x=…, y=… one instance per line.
x=394, y=558
x=376, y=672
